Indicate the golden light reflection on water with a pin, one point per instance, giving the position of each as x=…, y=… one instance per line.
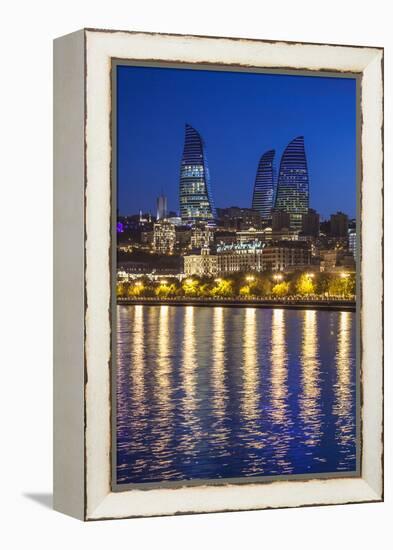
x=220, y=394
x=310, y=384
x=212, y=393
x=250, y=392
x=342, y=387
x=279, y=370
x=138, y=363
x=163, y=386
x=279, y=407
x=136, y=373
x=189, y=381
x=249, y=402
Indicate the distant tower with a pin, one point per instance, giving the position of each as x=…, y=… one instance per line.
x=196, y=202
x=162, y=207
x=339, y=225
x=293, y=184
x=310, y=223
x=263, y=196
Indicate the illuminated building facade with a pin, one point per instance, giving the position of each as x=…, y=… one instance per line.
x=263, y=196
x=196, y=202
x=242, y=258
x=202, y=235
x=293, y=183
x=352, y=242
x=164, y=237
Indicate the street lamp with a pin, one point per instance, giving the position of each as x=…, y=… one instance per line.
x=344, y=275
x=310, y=275
x=277, y=277
x=250, y=278
x=218, y=280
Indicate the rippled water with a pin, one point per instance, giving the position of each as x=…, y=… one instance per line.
x=214, y=392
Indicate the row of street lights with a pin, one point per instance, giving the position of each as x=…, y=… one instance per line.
x=249, y=278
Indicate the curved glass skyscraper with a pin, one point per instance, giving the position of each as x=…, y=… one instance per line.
x=196, y=202
x=263, y=196
x=293, y=185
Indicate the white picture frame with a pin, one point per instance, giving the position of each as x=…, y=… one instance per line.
x=83, y=255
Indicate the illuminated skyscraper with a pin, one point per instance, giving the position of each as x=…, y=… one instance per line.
x=162, y=207
x=263, y=197
x=293, y=184
x=196, y=202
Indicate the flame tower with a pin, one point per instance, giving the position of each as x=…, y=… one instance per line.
x=196, y=202
x=263, y=196
x=293, y=183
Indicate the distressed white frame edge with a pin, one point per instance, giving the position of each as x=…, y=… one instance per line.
x=69, y=274
x=101, y=46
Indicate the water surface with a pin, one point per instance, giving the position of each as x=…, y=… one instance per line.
x=215, y=392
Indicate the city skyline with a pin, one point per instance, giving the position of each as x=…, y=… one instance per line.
x=150, y=149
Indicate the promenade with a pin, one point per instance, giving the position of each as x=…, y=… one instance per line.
x=332, y=304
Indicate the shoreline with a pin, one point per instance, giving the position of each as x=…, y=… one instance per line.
x=323, y=305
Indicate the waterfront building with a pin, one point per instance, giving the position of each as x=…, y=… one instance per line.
x=263, y=195
x=280, y=220
x=337, y=260
x=310, y=223
x=162, y=207
x=196, y=202
x=231, y=259
x=203, y=264
x=235, y=218
x=164, y=237
x=339, y=225
x=293, y=183
x=228, y=261
x=286, y=256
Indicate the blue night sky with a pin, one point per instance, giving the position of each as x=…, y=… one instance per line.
x=240, y=116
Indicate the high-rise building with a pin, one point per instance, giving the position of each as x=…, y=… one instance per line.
x=280, y=220
x=352, y=241
x=235, y=217
x=196, y=202
x=293, y=184
x=263, y=196
x=310, y=223
x=162, y=207
x=164, y=237
x=339, y=225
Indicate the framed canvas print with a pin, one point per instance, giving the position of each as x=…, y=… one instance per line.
x=218, y=274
